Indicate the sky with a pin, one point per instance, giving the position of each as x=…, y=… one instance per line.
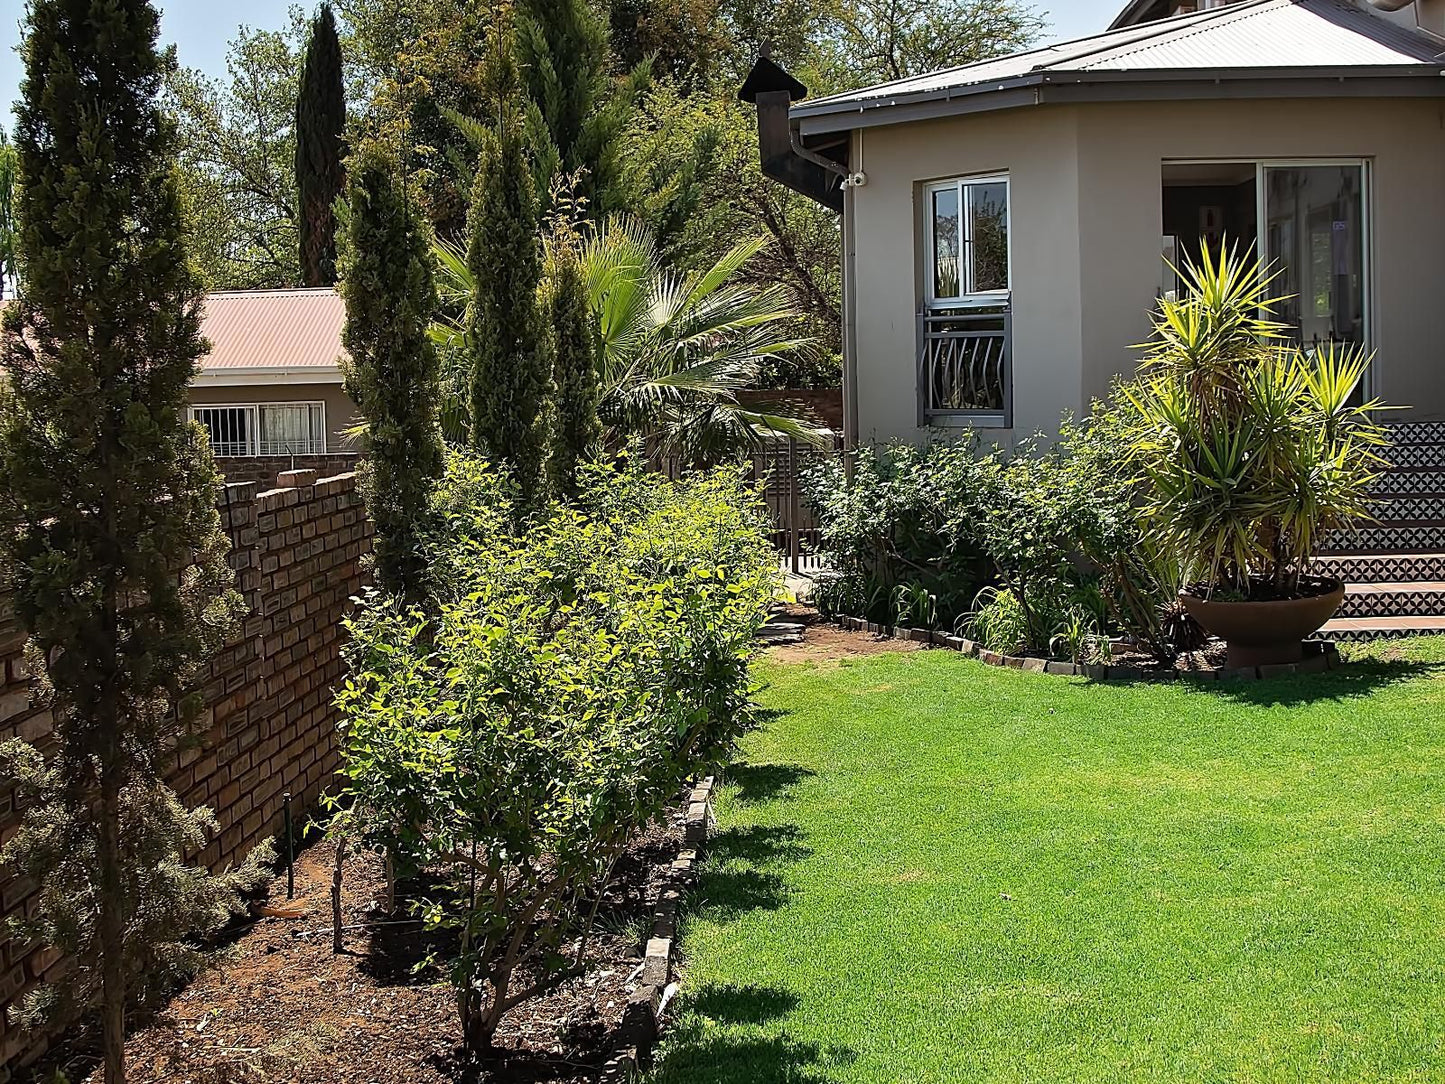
x=201, y=29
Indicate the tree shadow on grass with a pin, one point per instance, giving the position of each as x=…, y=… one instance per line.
x=726, y=894
x=696, y=1054
x=750, y=1003
x=760, y=844
x=758, y=783
x=1353, y=681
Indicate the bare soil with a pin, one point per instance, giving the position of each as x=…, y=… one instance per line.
x=277, y=1007
x=824, y=642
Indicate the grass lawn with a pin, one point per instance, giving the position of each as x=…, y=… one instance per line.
x=932, y=870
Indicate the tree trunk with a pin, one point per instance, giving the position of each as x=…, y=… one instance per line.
x=336, y=946
x=112, y=930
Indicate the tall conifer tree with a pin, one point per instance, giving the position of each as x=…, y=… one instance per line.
x=565, y=56
x=511, y=367
x=576, y=356
x=320, y=122
x=108, y=522
x=392, y=372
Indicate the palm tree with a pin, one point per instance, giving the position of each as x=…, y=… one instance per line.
x=677, y=346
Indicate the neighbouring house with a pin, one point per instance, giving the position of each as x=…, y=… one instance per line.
x=271, y=385
x=1006, y=223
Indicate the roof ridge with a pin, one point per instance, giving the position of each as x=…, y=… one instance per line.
x=1235, y=12
x=1173, y=27
x=1131, y=34
x=272, y=291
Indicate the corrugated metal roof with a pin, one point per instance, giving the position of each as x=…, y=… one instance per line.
x=1273, y=35
x=274, y=329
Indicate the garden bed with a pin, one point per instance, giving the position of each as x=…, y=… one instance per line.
x=1205, y=665
x=278, y=1006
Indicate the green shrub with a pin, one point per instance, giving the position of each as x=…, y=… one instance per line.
x=569, y=685
x=1013, y=545
x=906, y=523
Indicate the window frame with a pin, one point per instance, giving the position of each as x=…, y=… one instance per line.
x=254, y=437
x=959, y=185
x=1368, y=211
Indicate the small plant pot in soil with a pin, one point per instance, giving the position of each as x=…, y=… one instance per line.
x=1268, y=631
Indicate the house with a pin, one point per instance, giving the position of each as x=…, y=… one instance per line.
x=1006, y=223
x=271, y=385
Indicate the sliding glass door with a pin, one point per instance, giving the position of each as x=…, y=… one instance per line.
x=1316, y=236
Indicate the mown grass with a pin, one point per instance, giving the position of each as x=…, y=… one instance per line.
x=932, y=870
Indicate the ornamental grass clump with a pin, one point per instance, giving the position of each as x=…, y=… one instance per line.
x=568, y=684
x=1252, y=448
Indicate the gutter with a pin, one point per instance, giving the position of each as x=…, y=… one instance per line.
x=1041, y=87
x=260, y=375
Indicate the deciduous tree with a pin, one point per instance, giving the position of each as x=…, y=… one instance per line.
x=237, y=156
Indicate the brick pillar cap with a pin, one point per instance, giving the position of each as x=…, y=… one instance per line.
x=289, y=479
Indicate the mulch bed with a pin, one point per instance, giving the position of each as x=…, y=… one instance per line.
x=277, y=1007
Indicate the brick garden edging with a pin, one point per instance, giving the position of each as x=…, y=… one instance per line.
x=642, y=1020
x=1320, y=655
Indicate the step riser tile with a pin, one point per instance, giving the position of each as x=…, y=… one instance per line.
x=1386, y=539
x=1394, y=604
x=1365, y=635
x=1405, y=506
x=1392, y=568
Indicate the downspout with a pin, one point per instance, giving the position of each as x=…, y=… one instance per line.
x=850, y=313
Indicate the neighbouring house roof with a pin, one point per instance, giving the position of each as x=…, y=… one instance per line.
x=1259, y=42
x=273, y=337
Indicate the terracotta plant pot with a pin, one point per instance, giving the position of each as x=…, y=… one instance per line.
x=1265, y=633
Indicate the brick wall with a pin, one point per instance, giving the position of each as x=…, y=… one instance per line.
x=264, y=468
x=270, y=725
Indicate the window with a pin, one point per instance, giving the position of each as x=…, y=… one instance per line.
x=264, y=428
x=968, y=236
x=965, y=325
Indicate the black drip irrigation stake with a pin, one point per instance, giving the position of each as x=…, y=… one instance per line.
x=290, y=848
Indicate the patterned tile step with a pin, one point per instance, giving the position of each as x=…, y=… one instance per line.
x=1382, y=628
x=1408, y=506
x=1382, y=568
x=1409, y=482
x=1394, y=600
x=1429, y=456
x=1417, y=432
x=1407, y=537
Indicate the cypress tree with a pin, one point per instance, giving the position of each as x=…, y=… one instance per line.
x=576, y=350
x=392, y=371
x=564, y=49
x=510, y=363
x=114, y=550
x=320, y=122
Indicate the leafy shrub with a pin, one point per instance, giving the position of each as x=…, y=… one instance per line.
x=1006, y=547
x=569, y=684
x=905, y=522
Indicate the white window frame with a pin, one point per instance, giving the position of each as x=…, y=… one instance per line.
x=1367, y=226
x=965, y=242
x=255, y=409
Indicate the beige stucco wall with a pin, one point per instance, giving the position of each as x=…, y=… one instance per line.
x=1038, y=150
x=1086, y=217
x=340, y=410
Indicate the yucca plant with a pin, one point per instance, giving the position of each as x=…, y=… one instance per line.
x=1253, y=448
